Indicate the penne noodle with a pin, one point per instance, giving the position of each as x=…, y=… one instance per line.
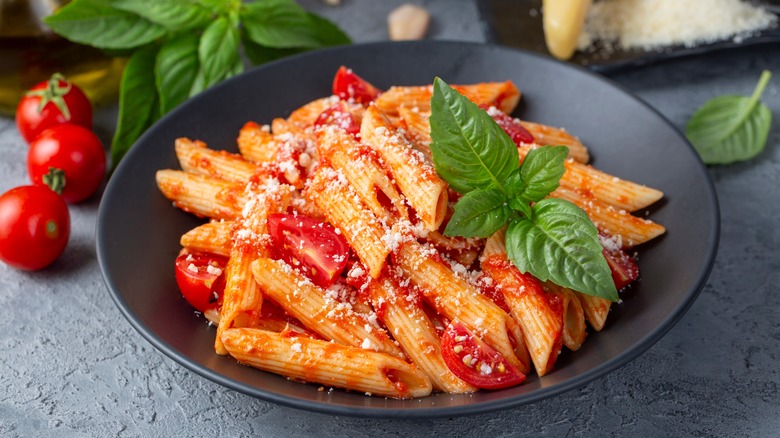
x=213, y=237
x=549, y=136
x=458, y=300
x=195, y=157
x=318, y=310
x=327, y=363
x=538, y=313
x=306, y=115
x=256, y=143
x=574, y=331
x=201, y=195
x=334, y=196
x=502, y=95
x=630, y=230
x=595, y=309
x=425, y=192
x=360, y=165
x=414, y=331
x=242, y=296
x=611, y=190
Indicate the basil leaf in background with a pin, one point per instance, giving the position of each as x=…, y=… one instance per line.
x=218, y=51
x=98, y=24
x=478, y=213
x=174, y=15
x=258, y=54
x=327, y=33
x=561, y=244
x=176, y=71
x=540, y=172
x=138, y=104
x=283, y=24
x=470, y=151
x=731, y=128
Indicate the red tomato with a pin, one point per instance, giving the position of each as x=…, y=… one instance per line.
x=308, y=243
x=624, y=269
x=51, y=103
x=512, y=127
x=347, y=85
x=338, y=115
x=34, y=227
x=76, y=151
x=475, y=362
x=201, y=280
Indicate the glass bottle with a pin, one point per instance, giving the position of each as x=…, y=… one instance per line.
x=30, y=52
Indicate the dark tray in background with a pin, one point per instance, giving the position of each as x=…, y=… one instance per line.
x=518, y=23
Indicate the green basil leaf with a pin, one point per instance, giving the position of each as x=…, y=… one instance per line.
x=218, y=51
x=258, y=54
x=540, y=172
x=522, y=206
x=561, y=244
x=97, y=23
x=138, y=105
x=479, y=213
x=174, y=15
x=731, y=128
x=328, y=33
x=470, y=151
x=283, y=24
x=176, y=71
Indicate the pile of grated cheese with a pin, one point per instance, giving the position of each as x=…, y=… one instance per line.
x=647, y=24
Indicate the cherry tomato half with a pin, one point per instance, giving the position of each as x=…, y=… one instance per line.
x=347, y=85
x=475, y=362
x=51, y=103
x=340, y=116
x=624, y=269
x=34, y=227
x=76, y=151
x=201, y=279
x=315, y=246
x=511, y=126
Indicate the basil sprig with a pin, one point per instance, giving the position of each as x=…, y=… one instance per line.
x=550, y=238
x=731, y=128
x=178, y=48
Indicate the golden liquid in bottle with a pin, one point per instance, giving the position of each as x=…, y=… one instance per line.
x=30, y=53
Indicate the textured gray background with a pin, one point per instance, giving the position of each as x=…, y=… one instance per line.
x=70, y=365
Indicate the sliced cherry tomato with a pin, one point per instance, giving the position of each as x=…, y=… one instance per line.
x=624, y=269
x=201, y=279
x=339, y=115
x=511, y=126
x=475, y=362
x=347, y=85
x=73, y=150
x=51, y=103
x=34, y=227
x=310, y=244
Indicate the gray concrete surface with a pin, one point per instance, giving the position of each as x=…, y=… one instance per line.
x=71, y=366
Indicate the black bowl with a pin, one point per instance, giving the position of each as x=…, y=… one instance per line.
x=138, y=230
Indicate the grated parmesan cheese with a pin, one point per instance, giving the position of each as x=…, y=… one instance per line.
x=647, y=24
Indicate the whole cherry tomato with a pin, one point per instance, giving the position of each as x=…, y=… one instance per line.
x=475, y=362
x=201, y=280
x=51, y=103
x=73, y=150
x=34, y=227
x=316, y=246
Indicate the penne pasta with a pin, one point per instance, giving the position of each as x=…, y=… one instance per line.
x=327, y=363
x=425, y=192
x=195, y=157
x=213, y=237
x=201, y=195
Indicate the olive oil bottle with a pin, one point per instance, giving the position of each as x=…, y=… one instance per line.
x=30, y=52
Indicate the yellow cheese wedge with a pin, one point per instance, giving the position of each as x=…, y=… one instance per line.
x=563, y=22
